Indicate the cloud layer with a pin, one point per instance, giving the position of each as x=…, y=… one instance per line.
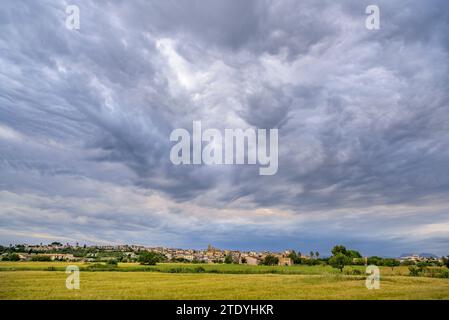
x=85, y=119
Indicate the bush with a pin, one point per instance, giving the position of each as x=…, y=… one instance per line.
x=414, y=271
x=353, y=272
x=358, y=261
x=40, y=258
x=112, y=262
x=150, y=258
x=270, y=260
x=11, y=257
x=228, y=259
x=175, y=270
x=101, y=267
x=199, y=270
x=444, y=274
x=391, y=263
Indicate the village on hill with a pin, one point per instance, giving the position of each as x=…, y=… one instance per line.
x=57, y=251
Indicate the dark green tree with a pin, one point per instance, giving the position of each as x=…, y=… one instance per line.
x=295, y=257
x=228, y=259
x=377, y=261
x=391, y=263
x=112, y=263
x=353, y=254
x=339, y=261
x=11, y=257
x=150, y=258
x=339, y=249
x=270, y=260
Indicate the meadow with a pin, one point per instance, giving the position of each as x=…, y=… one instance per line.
x=46, y=280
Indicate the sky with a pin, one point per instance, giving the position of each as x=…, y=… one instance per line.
x=363, y=120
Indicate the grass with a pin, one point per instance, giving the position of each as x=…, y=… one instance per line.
x=149, y=285
x=32, y=280
x=193, y=268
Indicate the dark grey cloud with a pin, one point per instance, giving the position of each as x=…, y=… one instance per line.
x=85, y=119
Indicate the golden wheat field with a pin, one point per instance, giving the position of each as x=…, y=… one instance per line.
x=31, y=281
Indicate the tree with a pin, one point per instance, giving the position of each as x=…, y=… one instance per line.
x=377, y=261
x=150, y=258
x=311, y=254
x=391, y=263
x=228, y=259
x=295, y=257
x=339, y=249
x=317, y=254
x=14, y=257
x=11, y=257
x=353, y=254
x=270, y=260
x=339, y=261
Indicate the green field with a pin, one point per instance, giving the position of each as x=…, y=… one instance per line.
x=193, y=268
x=29, y=280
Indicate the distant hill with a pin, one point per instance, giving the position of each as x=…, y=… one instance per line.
x=428, y=255
x=424, y=255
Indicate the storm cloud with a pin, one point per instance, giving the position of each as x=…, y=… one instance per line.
x=363, y=119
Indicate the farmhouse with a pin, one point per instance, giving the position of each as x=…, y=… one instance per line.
x=285, y=261
x=252, y=261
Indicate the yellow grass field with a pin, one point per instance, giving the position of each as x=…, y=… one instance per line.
x=34, y=284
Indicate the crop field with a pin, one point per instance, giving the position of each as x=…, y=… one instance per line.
x=195, y=268
x=46, y=280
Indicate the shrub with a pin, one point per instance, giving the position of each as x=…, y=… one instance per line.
x=40, y=258
x=199, y=270
x=355, y=272
x=112, y=262
x=391, y=263
x=11, y=257
x=444, y=274
x=414, y=271
x=228, y=259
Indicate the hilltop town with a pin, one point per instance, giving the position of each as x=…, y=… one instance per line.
x=57, y=251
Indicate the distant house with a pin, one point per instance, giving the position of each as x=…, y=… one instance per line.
x=23, y=256
x=413, y=257
x=252, y=261
x=285, y=261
